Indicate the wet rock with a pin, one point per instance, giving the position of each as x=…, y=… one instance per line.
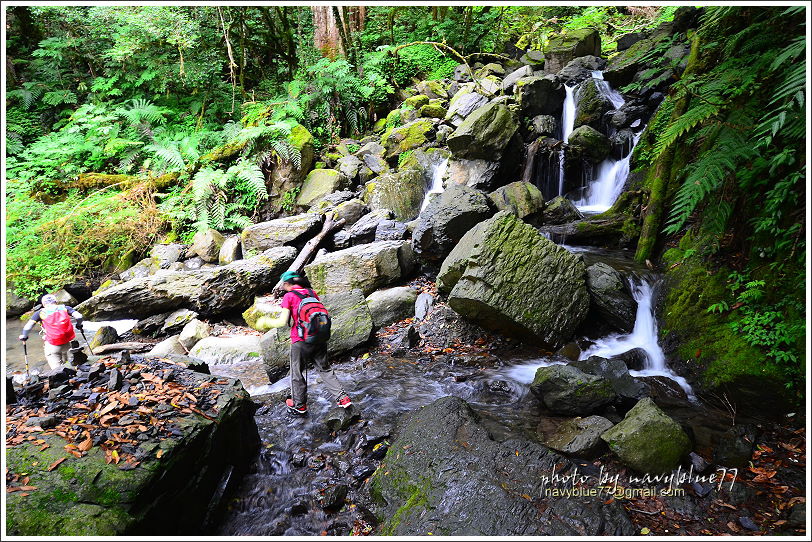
x=698, y=463
x=542, y=125
x=586, y=143
x=702, y=490
x=206, y=244
x=422, y=305
x=580, y=69
x=540, y=95
x=193, y=332
x=16, y=305
x=177, y=320
x=391, y=230
x=446, y=219
x=362, y=471
x=519, y=198
x=614, y=370
x=635, y=359
x=366, y=267
x=611, y=296
x=484, y=133
x=735, y=448
x=401, y=192
x=591, y=106
x=338, y=419
x=442, y=456
x=571, y=351
x=648, y=440
x=560, y=210
x=465, y=101
x=507, y=277
x=63, y=297
x=444, y=327
x=59, y=391
x=580, y=437
x=315, y=462
x=292, y=230
x=567, y=390
x=627, y=40
x=230, y=251
x=408, y=137
x=665, y=392
x=227, y=350
x=391, y=305
x=170, y=345
x=104, y=335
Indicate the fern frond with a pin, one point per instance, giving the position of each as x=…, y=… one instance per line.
x=689, y=120
x=169, y=154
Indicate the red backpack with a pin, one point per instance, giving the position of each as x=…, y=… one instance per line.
x=58, y=326
x=313, y=319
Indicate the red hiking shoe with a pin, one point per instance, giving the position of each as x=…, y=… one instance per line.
x=344, y=402
x=300, y=410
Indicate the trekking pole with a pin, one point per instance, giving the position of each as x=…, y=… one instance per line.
x=82, y=331
x=25, y=353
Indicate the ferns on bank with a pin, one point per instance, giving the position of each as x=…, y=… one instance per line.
x=221, y=199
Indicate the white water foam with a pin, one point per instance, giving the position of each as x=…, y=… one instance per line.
x=567, y=125
x=437, y=173
x=608, y=185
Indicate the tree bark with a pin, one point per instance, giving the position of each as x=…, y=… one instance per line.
x=309, y=250
x=325, y=31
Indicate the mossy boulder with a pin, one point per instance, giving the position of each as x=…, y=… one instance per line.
x=648, y=440
x=485, y=133
x=416, y=102
x=319, y=183
x=465, y=101
x=433, y=110
x=591, y=104
x=433, y=89
x=561, y=210
x=364, y=267
x=506, y=276
x=104, y=335
x=286, y=176
x=567, y=390
x=290, y=230
x=407, y=137
x=401, y=192
x=264, y=308
x=563, y=48
x=520, y=198
x=227, y=350
x=586, y=143
x=169, y=493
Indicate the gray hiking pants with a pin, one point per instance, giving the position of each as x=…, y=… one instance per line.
x=301, y=354
x=56, y=356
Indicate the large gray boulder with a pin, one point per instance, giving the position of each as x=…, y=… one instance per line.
x=447, y=218
x=648, y=440
x=363, y=231
x=408, y=137
x=511, y=78
x=567, y=390
x=391, y=305
x=520, y=198
x=484, y=134
x=351, y=326
x=561, y=210
x=580, y=69
x=611, y=296
x=206, y=244
x=321, y=182
x=291, y=230
x=475, y=173
x=463, y=103
x=365, y=267
x=561, y=49
x=227, y=350
x=579, y=437
x=16, y=305
x=615, y=371
x=445, y=474
x=401, y=192
x=506, y=276
x=540, y=95
x=207, y=291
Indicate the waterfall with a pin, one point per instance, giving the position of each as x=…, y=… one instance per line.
x=603, y=86
x=608, y=184
x=643, y=336
x=567, y=124
x=436, y=187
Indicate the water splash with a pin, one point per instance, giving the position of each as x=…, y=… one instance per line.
x=436, y=187
x=611, y=177
x=603, y=86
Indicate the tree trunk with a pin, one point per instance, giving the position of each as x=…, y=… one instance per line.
x=326, y=31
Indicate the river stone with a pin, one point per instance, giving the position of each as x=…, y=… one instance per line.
x=407, y=137
x=451, y=457
x=665, y=392
x=227, y=350
x=351, y=327
x=193, y=332
x=635, y=359
x=561, y=210
x=206, y=244
x=511, y=78
x=579, y=437
x=391, y=230
x=230, y=251
x=401, y=192
x=615, y=371
x=647, y=440
x=539, y=95
x=445, y=328
x=391, y=305
x=292, y=230
x=177, y=320
x=349, y=167
x=507, y=277
x=264, y=308
x=580, y=69
x=464, y=102
x=422, y=305
x=567, y=390
x=484, y=133
x=611, y=296
x=492, y=68
x=366, y=267
x=338, y=419
x=163, y=497
x=209, y=292
x=447, y=218
x=736, y=446
x=170, y=345
x=376, y=163
x=151, y=325
x=164, y=255
x=350, y=211
x=590, y=105
x=561, y=49
x=476, y=173
x=104, y=335
x=16, y=305
x=363, y=231
x=143, y=268
x=519, y=198
x=586, y=143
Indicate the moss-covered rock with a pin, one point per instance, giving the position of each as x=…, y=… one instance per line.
x=264, y=308
x=433, y=110
x=579, y=437
x=647, y=440
x=540, y=95
x=407, y=137
x=591, y=105
x=567, y=390
x=522, y=199
x=506, y=276
x=287, y=176
x=586, y=143
x=206, y=244
x=319, y=183
x=416, y=102
x=563, y=48
x=485, y=133
x=401, y=192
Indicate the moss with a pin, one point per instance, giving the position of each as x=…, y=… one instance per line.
x=300, y=136
x=416, y=102
x=414, y=494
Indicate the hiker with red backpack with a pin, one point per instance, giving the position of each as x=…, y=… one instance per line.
x=57, y=322
x=309, y=333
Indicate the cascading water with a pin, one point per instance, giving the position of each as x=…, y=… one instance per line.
x=603, y=86
x=567, y=125
x=608, y=184
x=643, y=336
x=436, y=187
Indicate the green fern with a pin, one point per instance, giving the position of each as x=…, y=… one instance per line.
x=684, y=123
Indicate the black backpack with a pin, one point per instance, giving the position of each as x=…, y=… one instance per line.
x=313, y=319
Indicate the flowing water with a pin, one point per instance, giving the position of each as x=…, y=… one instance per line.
x=567, y=125
x=609, y=181
x=436, y=186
